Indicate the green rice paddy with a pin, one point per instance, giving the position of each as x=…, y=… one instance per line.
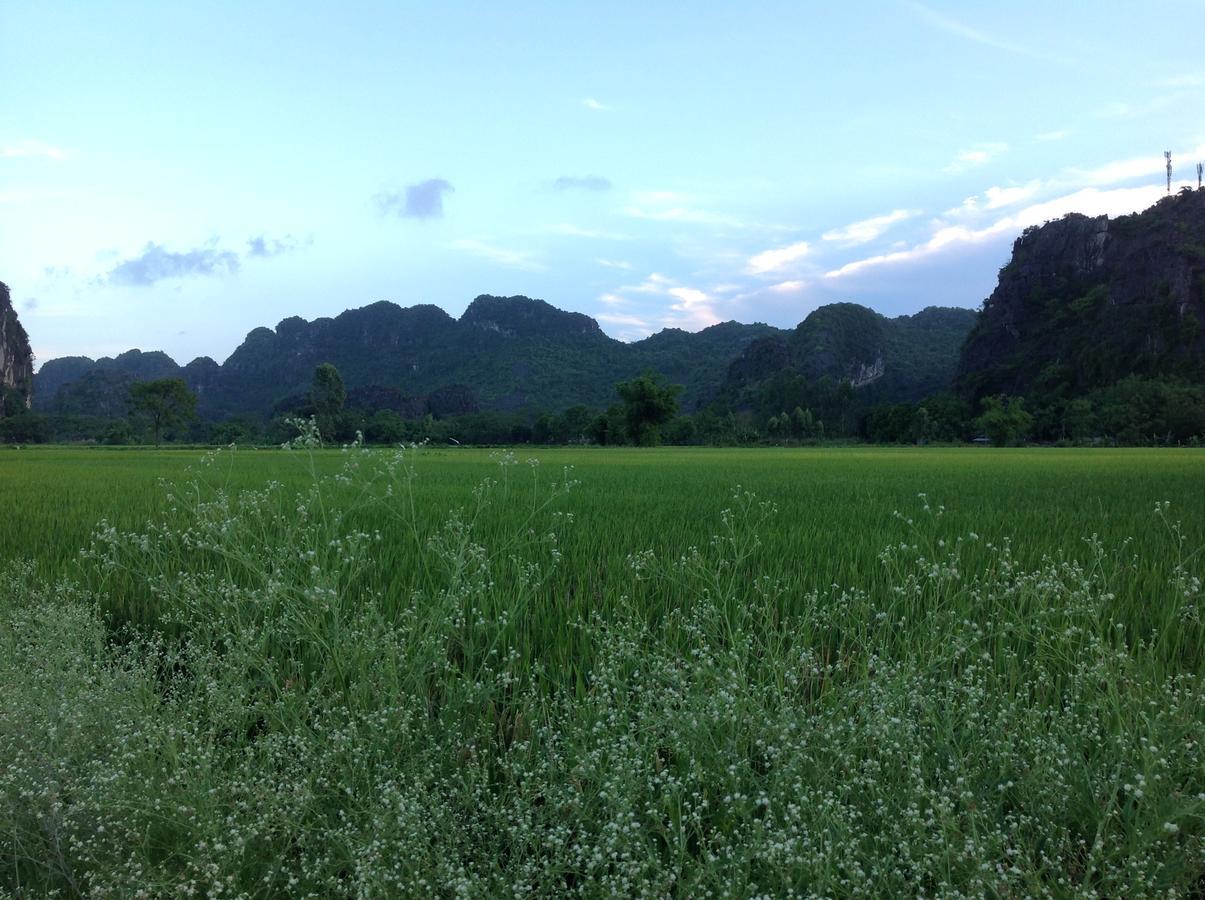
x=661, y=672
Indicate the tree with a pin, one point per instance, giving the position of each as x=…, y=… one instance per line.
x=542, y=429
x=1004, y=420
x=327, y=396
x=608, y=427
x=802, y=423
x=920, y=429
x=1078, y=419
x=163, y=403
x=648, y=404
x=573, y=423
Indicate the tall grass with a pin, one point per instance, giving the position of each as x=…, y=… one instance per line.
x=354, y=683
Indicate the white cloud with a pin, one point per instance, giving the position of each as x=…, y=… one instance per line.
x=1047, y=136
x=788, y=287
x=622, y=319
x=996, y=198
x=693, y=311
x=681, y=214
x=613, y=263
x=1000, y=197
x=591, y=103
x=1120, y=170
x=1089, y=201
x=777, y=258
x=654, y=284
x=976, y=156
x=866, y=230
x=514, y=259
x=1152, y=166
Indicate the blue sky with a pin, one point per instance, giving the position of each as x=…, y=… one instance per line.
x=173, y=175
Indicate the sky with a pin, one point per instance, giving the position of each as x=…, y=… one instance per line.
x=173, y=175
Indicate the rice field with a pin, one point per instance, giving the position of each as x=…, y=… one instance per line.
x=596, y=672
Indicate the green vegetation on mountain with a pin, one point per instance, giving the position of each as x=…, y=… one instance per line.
x=1098, y=324
x=504, y=353
x=1094, y=333
x=517, y=358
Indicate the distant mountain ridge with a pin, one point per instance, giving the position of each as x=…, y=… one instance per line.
x=502, y=353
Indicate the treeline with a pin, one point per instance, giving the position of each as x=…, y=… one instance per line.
x=789, y=409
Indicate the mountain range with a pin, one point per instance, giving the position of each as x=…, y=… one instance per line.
x=1096, y=320
x=507, y=353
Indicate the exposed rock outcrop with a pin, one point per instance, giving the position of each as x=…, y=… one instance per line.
x=16, y=359
x=1086, y=301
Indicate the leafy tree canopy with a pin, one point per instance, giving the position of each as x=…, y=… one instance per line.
x=648, y=404
x=163, y=403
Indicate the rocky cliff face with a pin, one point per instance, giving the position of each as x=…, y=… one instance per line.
x=1086, y=301
x=16, y=359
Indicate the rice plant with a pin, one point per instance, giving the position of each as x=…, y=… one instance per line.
x=412, y=673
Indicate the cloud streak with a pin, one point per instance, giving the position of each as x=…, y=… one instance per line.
x=778, y=258
x=582, y=183
x=423, y=200
x=156, y=263
x=975, y=35
x=681, y=214
x=512, y=259
x=31, y=149
x=1090, y=201
x=866, y=230
x=976, y=156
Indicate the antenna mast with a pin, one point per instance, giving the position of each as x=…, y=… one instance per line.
x=1167, y=154
x=1200, y=167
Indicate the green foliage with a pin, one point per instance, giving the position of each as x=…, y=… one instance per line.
x=162, y=404
x=327, y=396
x=12, y=401
x=508, y=352
x=381, y=674
x=1004, y=420
x=609, y=428
x=1065, y=331
x=648, y=404
x=28, y=428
